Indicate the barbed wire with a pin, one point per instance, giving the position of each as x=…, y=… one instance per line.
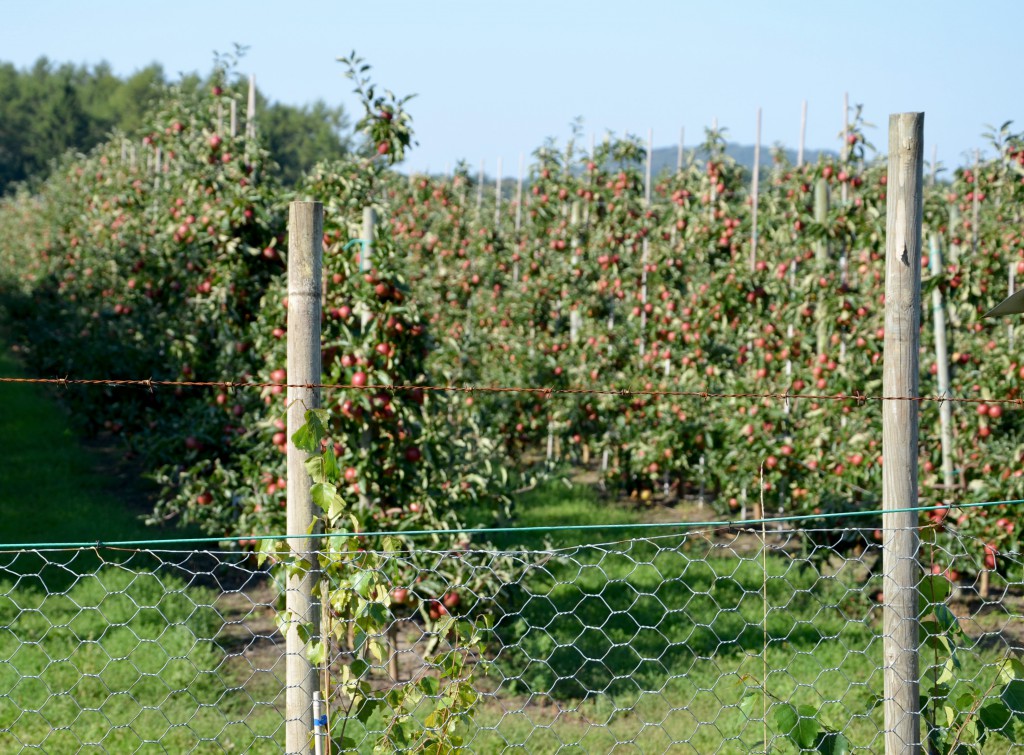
x=856, y=397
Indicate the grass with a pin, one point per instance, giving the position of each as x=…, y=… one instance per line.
x=98, y=650
x=655, y=642
x=49, y=487
x=123, y=661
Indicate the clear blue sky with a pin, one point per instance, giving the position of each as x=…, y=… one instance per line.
x=494, y=78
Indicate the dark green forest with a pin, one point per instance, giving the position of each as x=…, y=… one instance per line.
x=51, y=108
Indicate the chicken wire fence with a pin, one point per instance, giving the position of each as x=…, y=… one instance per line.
x=712, y=641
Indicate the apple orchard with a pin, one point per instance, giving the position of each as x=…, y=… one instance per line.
x=169, y=264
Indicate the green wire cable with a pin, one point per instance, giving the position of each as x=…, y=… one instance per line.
x=737, y=523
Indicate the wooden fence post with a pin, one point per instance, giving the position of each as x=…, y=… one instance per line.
x=305, y=255
x=901, y=572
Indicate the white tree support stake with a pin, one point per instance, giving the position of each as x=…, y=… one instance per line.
x=975, y=202
x=942, y=372
x=679, y=153
x=305, y=255
x=901, y=572
x=803, y=135
x=233, y=119
x=480, y=190
x=318, y=732
x=250, y=110
x=846, y=146
x=497, y=199
x=646, y=246
x=754, y=189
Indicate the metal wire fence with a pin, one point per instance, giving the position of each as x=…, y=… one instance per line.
x=719, y=640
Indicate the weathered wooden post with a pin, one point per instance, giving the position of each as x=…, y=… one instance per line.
x=901, y=572
x=305, y=254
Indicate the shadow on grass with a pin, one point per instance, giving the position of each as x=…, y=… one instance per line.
x=628, y=615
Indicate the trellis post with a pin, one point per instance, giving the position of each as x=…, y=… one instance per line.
x=305, y=259
x=901, y=572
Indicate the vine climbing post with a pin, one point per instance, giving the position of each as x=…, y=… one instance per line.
x=305, y=260
x=901, y=572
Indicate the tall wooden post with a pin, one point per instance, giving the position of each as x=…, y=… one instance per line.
x=901, y=572
x=305, y=254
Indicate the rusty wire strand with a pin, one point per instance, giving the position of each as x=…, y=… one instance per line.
x=857, y=397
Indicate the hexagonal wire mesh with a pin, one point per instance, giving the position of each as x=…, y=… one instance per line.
x=698, y=642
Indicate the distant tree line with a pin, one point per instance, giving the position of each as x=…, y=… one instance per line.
x=51, y=108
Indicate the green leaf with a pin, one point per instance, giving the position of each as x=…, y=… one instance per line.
x=1011, y=669
x=314, y=468
x=947, y=619
x=331, y=470
x=305, y=439
x=934, y=589
x=267, y=548
x=367, y=709
x=362, y=583
x=997, y=717
x=317, y=653
x=947, y=671
x=358, y=667
x=378, y=613
x=832, y=743
x=1013, y=696
x=325, y=495
x=430, y=686
x=799, y=725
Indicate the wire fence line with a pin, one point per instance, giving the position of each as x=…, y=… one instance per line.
x=704, y=641
x=545, y=391
x=715, y=526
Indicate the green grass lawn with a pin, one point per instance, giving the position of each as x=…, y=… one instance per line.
x=50, y=491
x=100, y=650
x=650, y=644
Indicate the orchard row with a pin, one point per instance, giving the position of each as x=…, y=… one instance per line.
x=589, y=278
